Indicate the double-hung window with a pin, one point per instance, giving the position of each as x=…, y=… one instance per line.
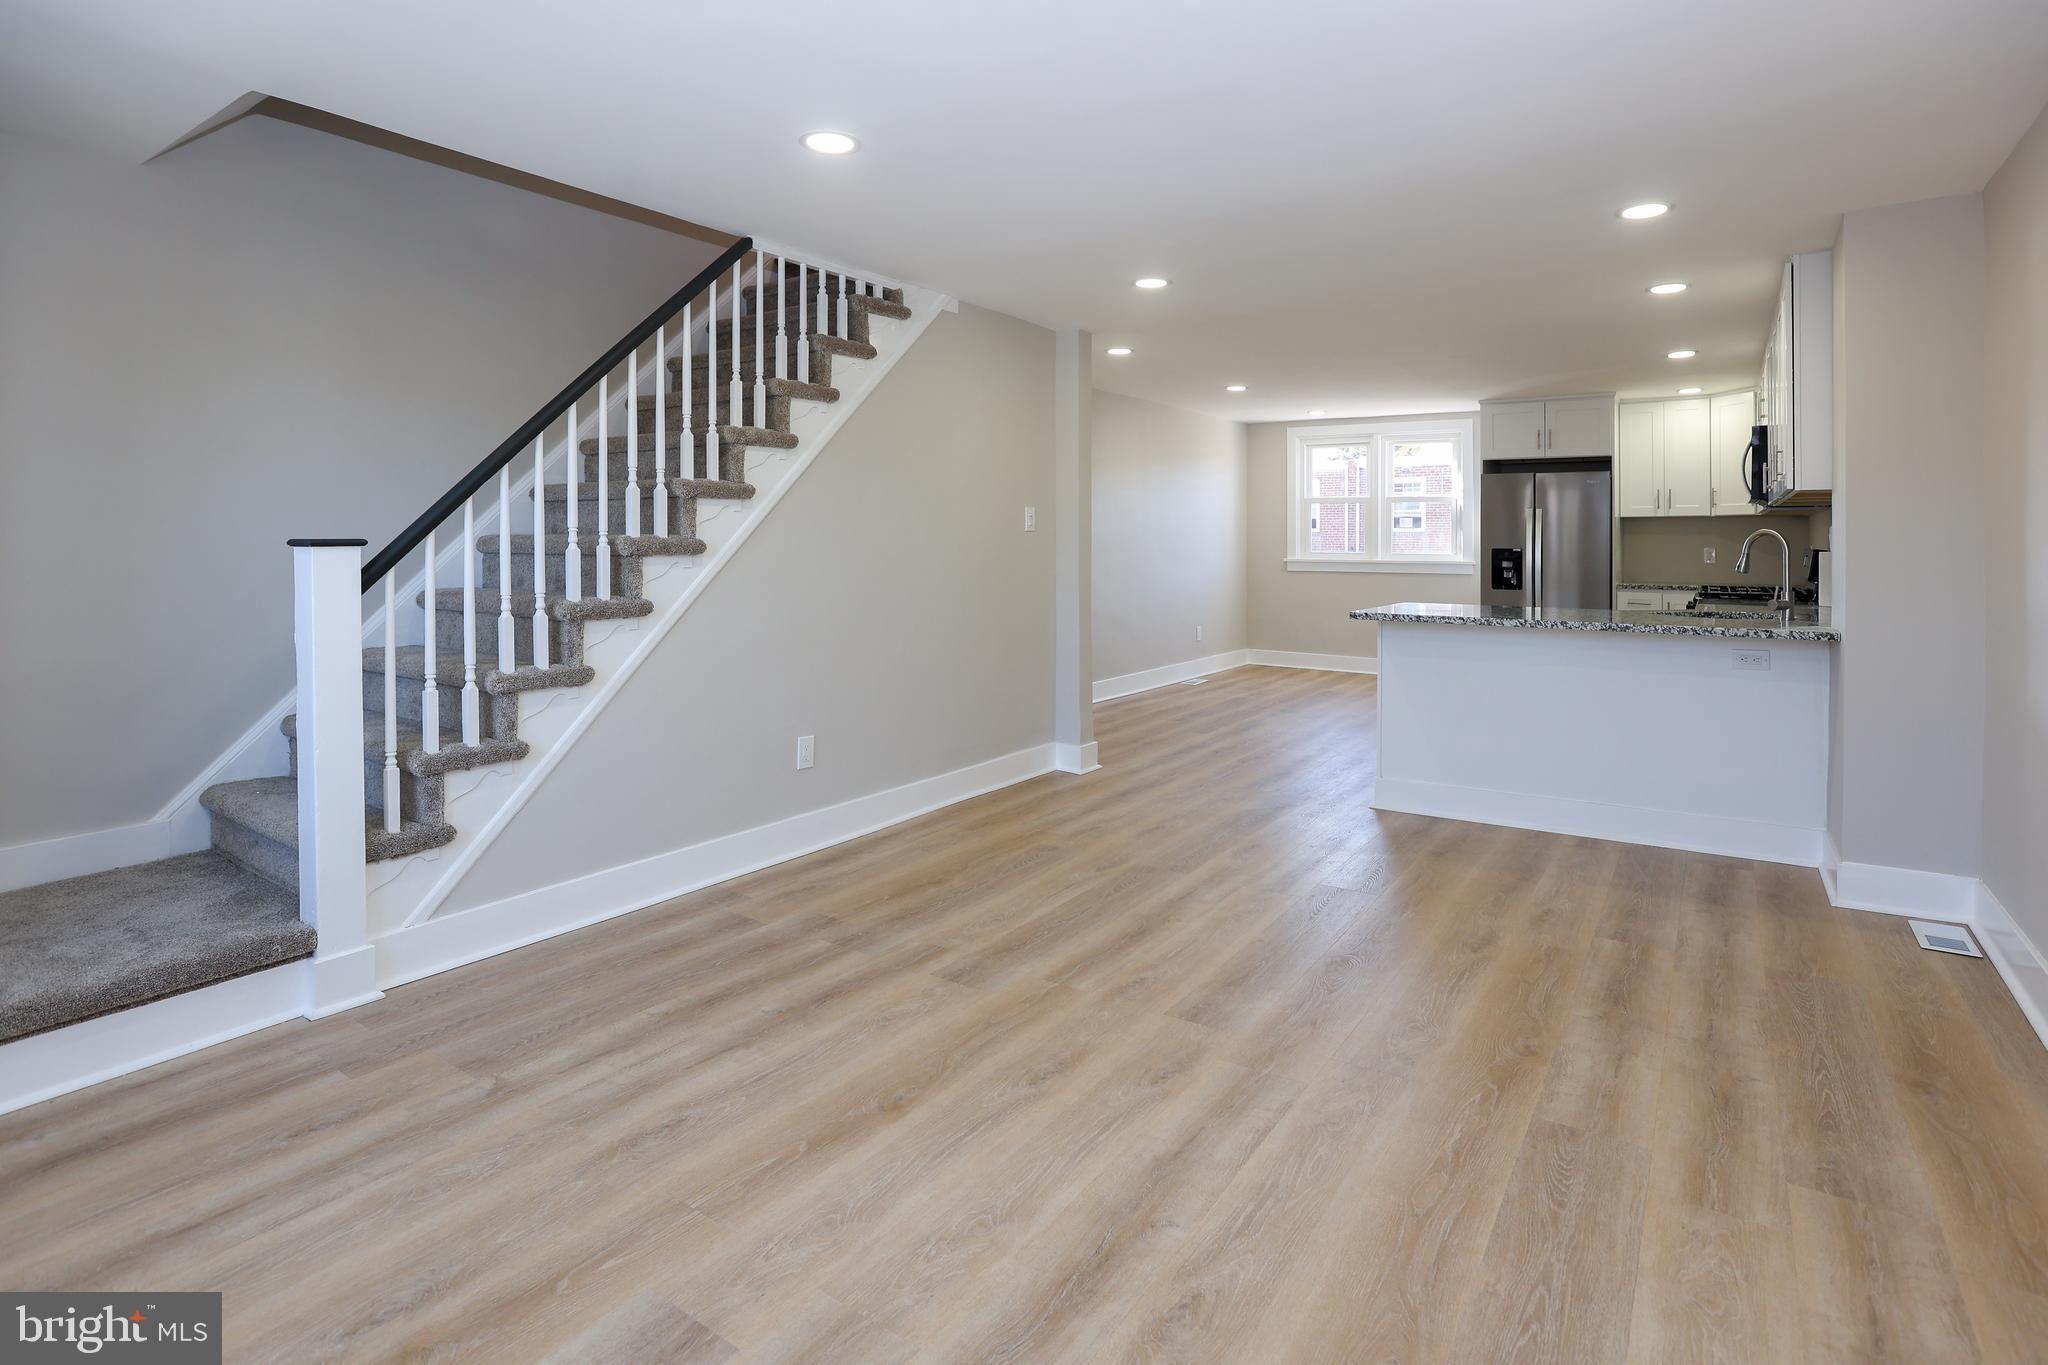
x=1392, y=495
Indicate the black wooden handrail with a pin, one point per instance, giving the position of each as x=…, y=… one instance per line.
x=465, y=488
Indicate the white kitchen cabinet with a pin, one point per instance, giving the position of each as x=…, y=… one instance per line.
x=1688, y=460
x=1731, y=418
x=1638, y=463
x=1650, y=599
x=1548, y=428
x=1664, y=459
x=1513, y=431
x=1579, y=427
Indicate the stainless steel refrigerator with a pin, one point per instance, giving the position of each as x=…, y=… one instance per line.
x=1548, y=536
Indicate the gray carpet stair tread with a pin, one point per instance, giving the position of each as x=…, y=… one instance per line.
x=76, y=949
x=452, y=756
x=587, y=608
x=728, y=436
x=777, y=388
x=644, y=547
x=412, y=664
x=270, y=807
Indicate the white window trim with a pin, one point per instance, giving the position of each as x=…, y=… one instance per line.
x=1462, y=429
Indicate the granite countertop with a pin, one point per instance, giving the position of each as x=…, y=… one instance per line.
x=1808, y=623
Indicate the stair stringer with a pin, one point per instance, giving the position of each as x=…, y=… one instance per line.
x=405, y=893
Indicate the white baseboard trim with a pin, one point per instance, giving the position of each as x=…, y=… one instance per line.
x=1902, y=891
x=342, y=981
x=1127, y=684
x=462, y=937
x=1960, y=900
x=1328, y=663
x=1598, y=820
x=76, y=855
x=50, y=1064
x=2019, y=961
x=1075, y=758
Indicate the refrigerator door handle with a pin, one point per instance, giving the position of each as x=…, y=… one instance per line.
x=1536, y=556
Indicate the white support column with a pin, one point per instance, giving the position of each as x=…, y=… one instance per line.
x=327, y=628
x=1073, y=644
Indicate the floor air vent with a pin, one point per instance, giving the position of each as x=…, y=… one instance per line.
x=1944, y=938
x=1192, y=682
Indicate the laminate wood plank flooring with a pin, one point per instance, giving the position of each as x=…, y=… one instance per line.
x=1196, y=1057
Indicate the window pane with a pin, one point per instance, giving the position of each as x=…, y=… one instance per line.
x=1422, y=528
x=1340, y=471
x=1339, y=528
x=1419, y=467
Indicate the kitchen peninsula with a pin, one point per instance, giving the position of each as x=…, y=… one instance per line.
x=1705, y=731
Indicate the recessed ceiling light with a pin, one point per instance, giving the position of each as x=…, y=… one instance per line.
x=1681, y=355
x=830, y=143
x=1118, y=350
x=1688, y=390
x=1150, y=282
x=1635, y=213
x=1675, y=287
x=1315, y=412
x=1233, y=388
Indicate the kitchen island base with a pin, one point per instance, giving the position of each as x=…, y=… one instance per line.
x=1674, y=740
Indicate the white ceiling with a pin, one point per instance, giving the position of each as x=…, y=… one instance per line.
x=1394, y=205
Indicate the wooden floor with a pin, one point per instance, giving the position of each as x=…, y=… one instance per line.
x=1192, y=1057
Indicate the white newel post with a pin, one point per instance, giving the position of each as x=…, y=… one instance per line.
x=327, y=628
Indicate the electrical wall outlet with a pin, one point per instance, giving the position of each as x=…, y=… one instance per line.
x=1759, y=659
x=1708, y=555
x=806, y=749
x=1198, y=635
x=1031, y=518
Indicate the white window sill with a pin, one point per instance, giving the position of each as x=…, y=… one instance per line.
x=1454, y=566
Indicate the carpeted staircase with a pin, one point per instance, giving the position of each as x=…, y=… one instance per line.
x=74, y=949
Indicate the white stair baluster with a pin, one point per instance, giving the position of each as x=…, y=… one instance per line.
x=760, y=318
x=711, y=386
x=540, y=552
x=821, y=321
x=633, y=437
x=430, y=695
x=661, y=417
x=781, y=317
x=391, y=702
x=844, y=283
x=572, y=557
x=685, y=436
x=803, y=331
x=604, y=488
x=508, y=658
x=735, y=389
x=472, y=718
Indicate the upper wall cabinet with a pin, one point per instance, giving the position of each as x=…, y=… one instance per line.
x=1664, y=465
x=1731, y=418
x=1548, y=428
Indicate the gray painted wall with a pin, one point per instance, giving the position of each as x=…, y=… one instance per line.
x=1306, y=612
x=1908, y=527
x=269, y=332
x=891, y=604
x=1169, y=535
x=2016, y=534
